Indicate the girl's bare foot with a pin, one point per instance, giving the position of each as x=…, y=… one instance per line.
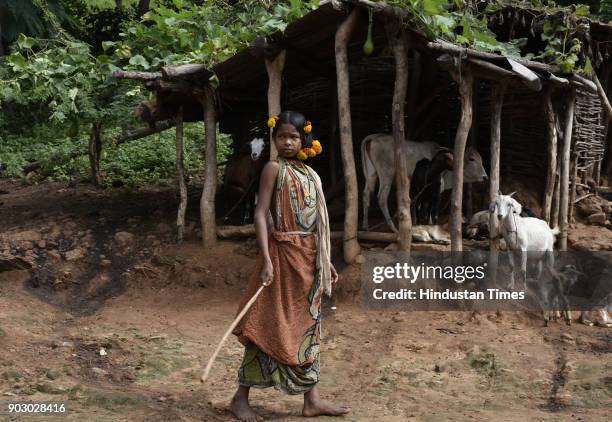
x=315, y=406
x=240, y=407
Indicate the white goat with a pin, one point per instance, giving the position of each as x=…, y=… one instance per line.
x=526, y=234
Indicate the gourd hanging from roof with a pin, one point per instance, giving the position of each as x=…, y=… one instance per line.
x=368, y=47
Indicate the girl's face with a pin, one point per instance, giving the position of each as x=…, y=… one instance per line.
x=287, y=140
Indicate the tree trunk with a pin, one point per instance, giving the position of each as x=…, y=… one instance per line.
x=180, y=169
x=274, y=67
x=207, y=202
x=565, y=169
x=343, y=34
x=398, y=40
x=95, y=147
x=463, y=76
x=551, y=125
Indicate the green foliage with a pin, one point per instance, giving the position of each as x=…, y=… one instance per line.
x=467, y=23
x=36, y=18
x=135, y=163
x=208, y=33
x=63, y=78
x=605, y=10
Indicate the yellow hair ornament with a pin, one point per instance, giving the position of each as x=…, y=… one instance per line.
x=316, y=146
x=272, y=121
x=307, y=127
x=302, y=155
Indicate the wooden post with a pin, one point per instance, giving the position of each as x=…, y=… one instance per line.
x=472, y=142
x=180, y=170
x=572, y=198
x=207, y=201
x=274, y=67
x=551, y=126
x=398, y=41
x=95, y=148
x=463, y=76
x=343, y=34
x=497, y=102
x=565, y=169
x=554, y=213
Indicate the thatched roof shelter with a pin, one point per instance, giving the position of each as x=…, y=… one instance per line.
x=301, y=69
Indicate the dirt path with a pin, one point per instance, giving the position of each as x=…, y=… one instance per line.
x=135, y=352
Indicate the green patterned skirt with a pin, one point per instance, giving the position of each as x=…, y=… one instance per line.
x=261, y=371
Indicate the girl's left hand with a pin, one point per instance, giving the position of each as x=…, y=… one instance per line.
x=334, y=274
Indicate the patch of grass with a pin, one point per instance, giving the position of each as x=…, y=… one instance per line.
x=483, y=362
x=47, y=388
x=113, y=401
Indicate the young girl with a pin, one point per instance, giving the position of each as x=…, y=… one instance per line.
x=281, y=331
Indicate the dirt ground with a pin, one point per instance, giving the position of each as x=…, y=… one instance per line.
x=118, y=320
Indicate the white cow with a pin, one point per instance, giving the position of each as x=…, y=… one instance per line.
x=378, y=162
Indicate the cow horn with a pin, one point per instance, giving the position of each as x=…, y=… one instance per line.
x=510, y=194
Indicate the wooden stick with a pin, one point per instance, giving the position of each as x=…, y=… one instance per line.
x=583, y=197
x=602, y=96
x=228, y=332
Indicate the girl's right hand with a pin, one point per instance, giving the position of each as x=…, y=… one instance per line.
x=266, y=273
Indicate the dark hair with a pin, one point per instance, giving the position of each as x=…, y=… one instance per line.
x=297, y=120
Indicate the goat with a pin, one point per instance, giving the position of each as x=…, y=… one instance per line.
x=478, y=227
x=425, y=186
x=378, y=164
x=525, y=234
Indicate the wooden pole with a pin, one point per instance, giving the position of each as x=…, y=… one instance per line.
x=207, y=201
x=398, y=41
x=551, y=126
x=497, y=102
x=605, y=102
x=343, y=34
x=274, y=67
x=95, y=147
x=463, y=76
x=180, y=170
x=472, y=142
x=572, y=198
x=565, y=169
x=607, y=170
x=554, y=213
